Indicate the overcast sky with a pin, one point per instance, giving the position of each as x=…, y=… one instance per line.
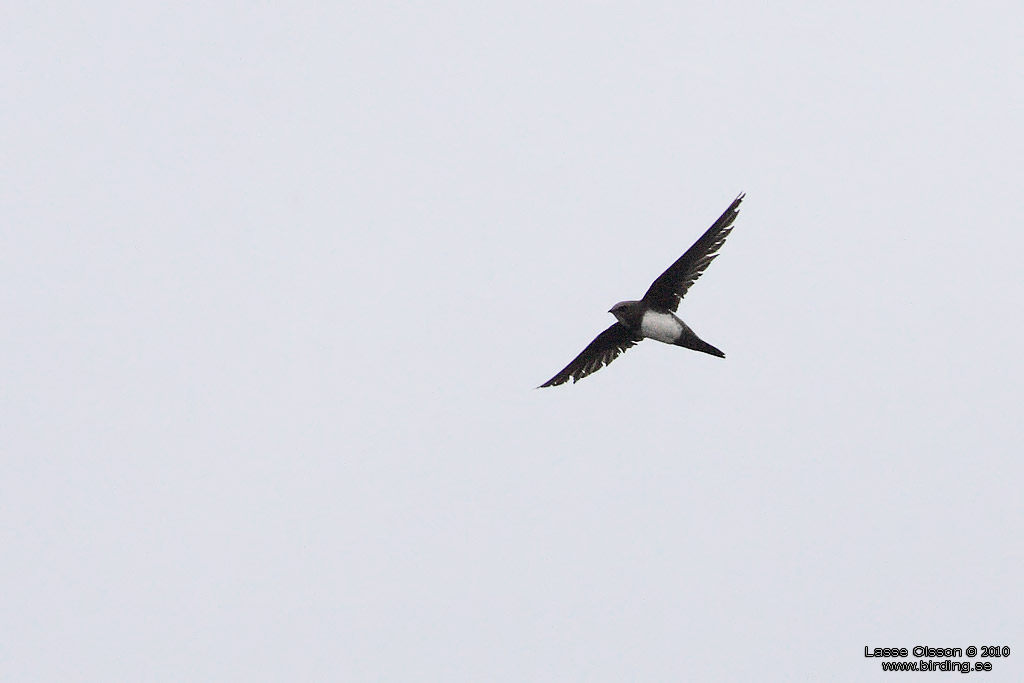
x=278, y=279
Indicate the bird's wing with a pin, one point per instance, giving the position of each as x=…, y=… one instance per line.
x=605, y=348
x=672, y=285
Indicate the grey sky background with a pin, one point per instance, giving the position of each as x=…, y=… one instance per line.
x=278, y=281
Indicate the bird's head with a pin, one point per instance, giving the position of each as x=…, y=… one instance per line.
x=622, y=311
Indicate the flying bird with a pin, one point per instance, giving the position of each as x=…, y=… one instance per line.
x=653, y=317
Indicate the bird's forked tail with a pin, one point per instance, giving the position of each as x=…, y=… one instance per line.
x=692, y=341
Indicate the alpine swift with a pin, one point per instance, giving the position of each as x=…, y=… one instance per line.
x=653, y=317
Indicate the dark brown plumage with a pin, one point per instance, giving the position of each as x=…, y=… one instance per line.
x=653, y=316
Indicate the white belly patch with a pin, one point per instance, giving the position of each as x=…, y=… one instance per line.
x=660, y=326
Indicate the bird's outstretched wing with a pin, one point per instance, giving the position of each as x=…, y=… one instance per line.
x=605, y=348
x=673, y=284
